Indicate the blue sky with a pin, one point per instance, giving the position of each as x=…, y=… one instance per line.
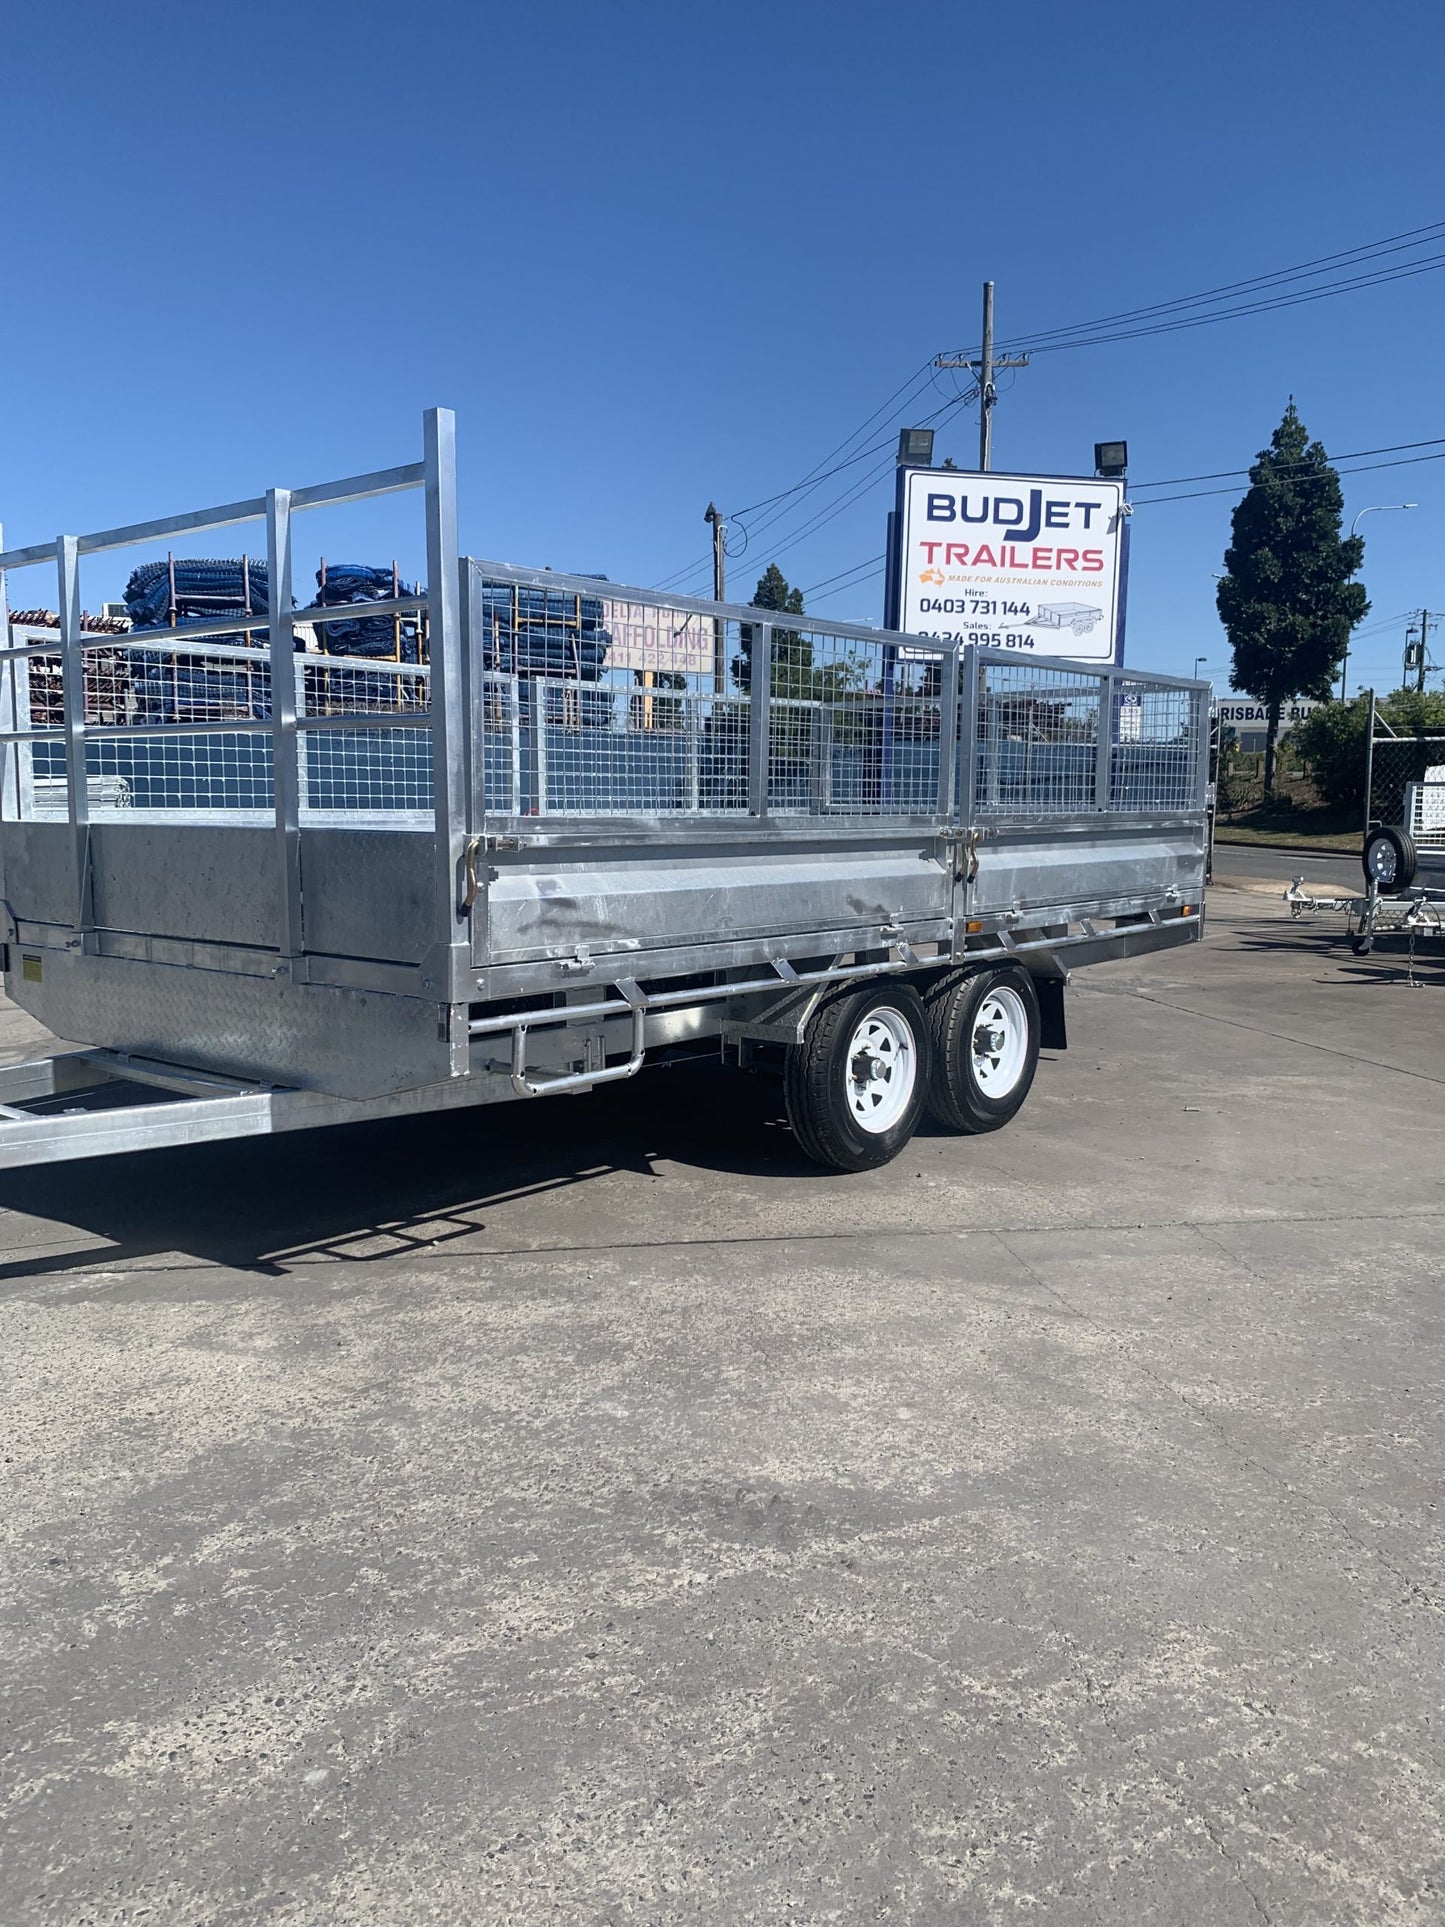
x=654, y=255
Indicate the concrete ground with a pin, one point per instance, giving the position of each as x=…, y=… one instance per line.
x=587, y=1512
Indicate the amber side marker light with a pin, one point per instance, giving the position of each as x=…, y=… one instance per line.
x=1186, y=909
x=973, y=929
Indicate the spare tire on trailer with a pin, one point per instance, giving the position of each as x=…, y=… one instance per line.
x=985, y=1031
x=1389, y=859
x=855, y=1087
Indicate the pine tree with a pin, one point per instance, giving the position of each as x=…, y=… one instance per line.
x=1287, y=602
x=792, y=653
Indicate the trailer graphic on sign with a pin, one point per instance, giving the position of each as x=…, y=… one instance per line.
x=1028, y=563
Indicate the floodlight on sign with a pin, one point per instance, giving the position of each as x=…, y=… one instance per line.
x=915, y=448
x=1111, y=459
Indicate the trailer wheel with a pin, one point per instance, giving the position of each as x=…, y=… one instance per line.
x=1389, y=859
x=985, y=1030
x=855, y=1087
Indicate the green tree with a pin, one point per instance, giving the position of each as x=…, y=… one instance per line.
x=1286, y=601
x=792, y=652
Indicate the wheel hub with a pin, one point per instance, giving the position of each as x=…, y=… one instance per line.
x=999, y=1049
x=882, y=1070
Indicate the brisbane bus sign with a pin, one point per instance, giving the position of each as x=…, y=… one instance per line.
x=1032, y=563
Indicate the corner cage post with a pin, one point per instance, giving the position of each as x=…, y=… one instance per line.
x=448, y=710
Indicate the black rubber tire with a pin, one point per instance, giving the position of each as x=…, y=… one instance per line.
x=815, y=1079
x=1402, y=845
x=955, y=1098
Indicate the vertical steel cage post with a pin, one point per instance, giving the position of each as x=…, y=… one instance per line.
x=966, y=725
x=10, y=723
x=285, y=741
x=1369, y=764
x=760, y=705
x=72, y=698
x=1104, y=748
x=448, y=711
x=470, y=616
x=948, y=690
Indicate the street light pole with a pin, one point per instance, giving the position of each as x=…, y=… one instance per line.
x=1375, y=508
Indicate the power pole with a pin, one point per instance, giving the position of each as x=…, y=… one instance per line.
x=1417, y=653
x=983, y=371
x=719, y=586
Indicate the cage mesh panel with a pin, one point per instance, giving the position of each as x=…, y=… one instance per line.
x=1154, y=751
x=371, y=770
x=1037, y=740
x=1039, y=734
x=1399, y=762
x=131, y=689
x=347, y=686
x=1425, y=808
x=595, y=705
x=854, y=726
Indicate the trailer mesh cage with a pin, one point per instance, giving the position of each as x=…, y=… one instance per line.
x=601, y=702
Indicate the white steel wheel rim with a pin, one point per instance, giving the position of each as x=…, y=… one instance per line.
x=881, y=1070
x=1381, y=860
x=1000, y=1041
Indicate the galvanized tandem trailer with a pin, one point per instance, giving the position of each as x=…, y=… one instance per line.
x=302, y=890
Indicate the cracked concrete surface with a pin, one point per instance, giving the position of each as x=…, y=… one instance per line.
x=585, y=1512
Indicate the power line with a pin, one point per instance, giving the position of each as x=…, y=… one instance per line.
x=1351, y=455
x=828, y=594
x=1389, y=244
x=872, y=562
x=1365, y=468
x=813, y=479
x=1430, y=266
x=1163, y=317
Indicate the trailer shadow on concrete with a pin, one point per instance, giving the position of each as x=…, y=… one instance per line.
x=364, y=1192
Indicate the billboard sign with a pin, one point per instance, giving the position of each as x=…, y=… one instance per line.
x=1032, y=563
x=1241, y=712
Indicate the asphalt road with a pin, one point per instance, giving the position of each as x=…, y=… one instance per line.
x=588, y=1513
x=1247, y=862
x=1254, y=867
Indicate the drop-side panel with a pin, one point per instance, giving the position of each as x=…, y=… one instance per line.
x=365, y=892
x=549, y=906
x=211, y=883
x=1056, y=869
x=368, y=893
x=350, y=1043
x=37, y=872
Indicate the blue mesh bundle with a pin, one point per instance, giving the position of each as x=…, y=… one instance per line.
x=172, y=689
x=205, y=588
x=543, y=632
x=358, y=582
x=169, y=691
